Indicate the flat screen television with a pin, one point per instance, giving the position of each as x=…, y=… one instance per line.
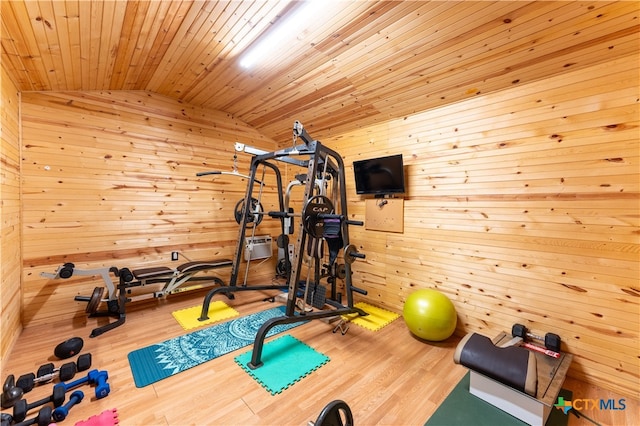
x=379, y=176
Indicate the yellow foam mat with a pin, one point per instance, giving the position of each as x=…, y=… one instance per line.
x=376, y=319
x=218, y=310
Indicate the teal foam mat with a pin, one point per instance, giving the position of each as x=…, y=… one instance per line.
x=286, y=360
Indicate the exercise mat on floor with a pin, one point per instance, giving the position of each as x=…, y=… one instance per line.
x=376, y=319
x=156, y=362
x=218, y=311
x=286, y=360
x=462, y=408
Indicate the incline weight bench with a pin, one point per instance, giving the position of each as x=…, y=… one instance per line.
x=519, y=381
x=177, y=277
x=174, y=282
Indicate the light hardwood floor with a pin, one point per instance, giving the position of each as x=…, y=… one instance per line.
x=387, y=377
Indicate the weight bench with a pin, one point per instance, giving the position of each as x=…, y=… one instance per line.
x=514, y=379
x=173, y=279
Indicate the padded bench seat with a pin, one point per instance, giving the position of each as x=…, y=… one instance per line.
x=514, y=366
x=200, y=265
x=155, y=272
x=186, y=268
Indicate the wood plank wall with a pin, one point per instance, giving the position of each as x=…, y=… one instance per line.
x=522, y=207
x=10, y=253
x=522, y=204
x=109, y=179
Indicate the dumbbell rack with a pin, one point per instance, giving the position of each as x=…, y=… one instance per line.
x=319, y=161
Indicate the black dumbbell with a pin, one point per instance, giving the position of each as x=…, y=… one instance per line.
x=551, y=340
x=48, y=372
x=10, y=392
x=42, y=419
x=22, y=407
x=61, y=413
x=5, y=419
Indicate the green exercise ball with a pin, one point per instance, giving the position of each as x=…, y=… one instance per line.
x=430, y=315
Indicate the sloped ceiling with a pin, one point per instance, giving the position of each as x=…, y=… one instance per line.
x=351, y=64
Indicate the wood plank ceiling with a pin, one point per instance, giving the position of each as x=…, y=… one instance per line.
x=352, y=64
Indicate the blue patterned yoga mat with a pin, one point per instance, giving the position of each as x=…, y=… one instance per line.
x=159, y=361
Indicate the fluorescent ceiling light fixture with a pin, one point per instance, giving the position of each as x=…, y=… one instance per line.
x=290, y=26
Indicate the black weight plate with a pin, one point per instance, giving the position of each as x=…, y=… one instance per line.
x=282, y=241
x=95, y=300
x=341, y=271
x=254, y=215
x=348, y=251
x=318, y=204
x=283, y=268
x=336, y=413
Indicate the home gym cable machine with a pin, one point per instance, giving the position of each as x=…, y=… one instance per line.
x=323, y=219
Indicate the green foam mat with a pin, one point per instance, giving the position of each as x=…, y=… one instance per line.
x=286, y=360
x=462, y=408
